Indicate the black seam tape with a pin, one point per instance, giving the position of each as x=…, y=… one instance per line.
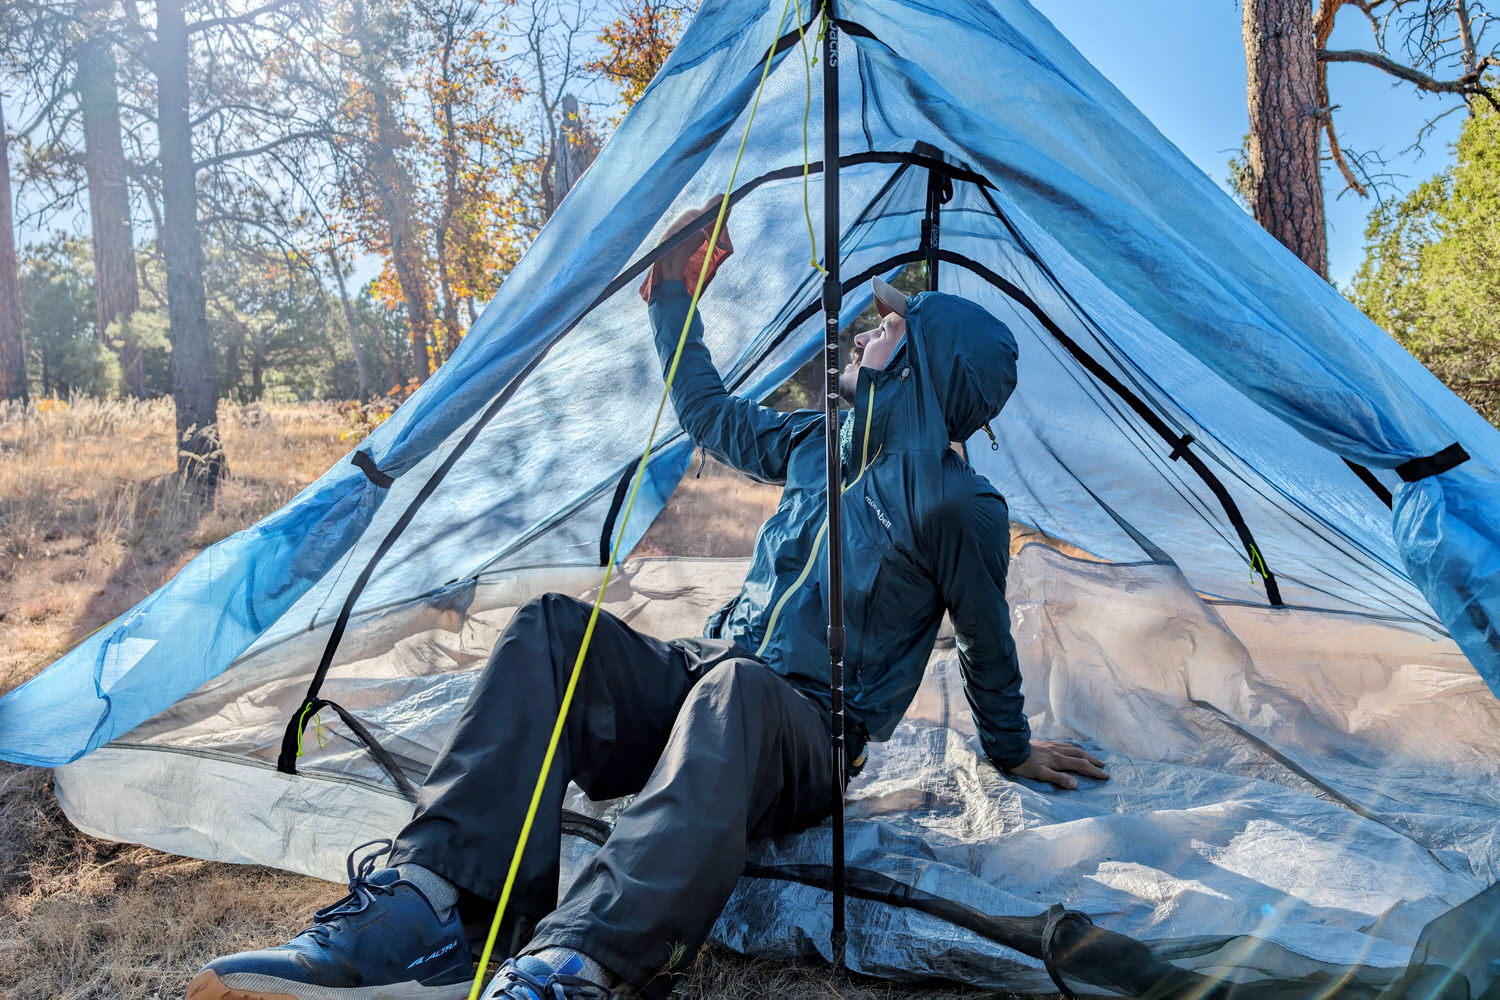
x=367, y=465
x=618, y=501
x=1433, y=465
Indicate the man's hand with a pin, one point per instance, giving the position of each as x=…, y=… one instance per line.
x=1051, y=761
x=685, y=262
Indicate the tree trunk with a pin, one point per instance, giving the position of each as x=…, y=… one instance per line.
x=394, y=187
x=200, y=455
x=406, y=248
x=574, y=154
x=1286, y=183
x=452, y=332
x=116, y=292
x=12, y=347
x=1468, y=54
x=351, y=320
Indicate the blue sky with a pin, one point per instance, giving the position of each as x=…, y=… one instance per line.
x=1182, y=62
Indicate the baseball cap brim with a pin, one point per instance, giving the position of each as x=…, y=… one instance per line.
x=887, y=298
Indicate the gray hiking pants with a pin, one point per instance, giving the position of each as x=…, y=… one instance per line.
x=719, y=748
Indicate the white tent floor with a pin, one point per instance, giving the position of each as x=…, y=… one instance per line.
x=1324, y=782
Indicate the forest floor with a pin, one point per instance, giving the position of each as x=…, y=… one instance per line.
x=91, y=521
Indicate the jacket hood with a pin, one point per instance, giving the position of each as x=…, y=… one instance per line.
x=965, y=356
x=951, y=374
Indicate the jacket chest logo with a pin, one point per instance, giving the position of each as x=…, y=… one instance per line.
x=878, y=512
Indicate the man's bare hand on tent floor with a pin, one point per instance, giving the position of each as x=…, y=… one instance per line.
x=1051, y=761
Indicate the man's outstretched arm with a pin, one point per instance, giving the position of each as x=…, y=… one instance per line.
x=740, y=432
x=970, y=548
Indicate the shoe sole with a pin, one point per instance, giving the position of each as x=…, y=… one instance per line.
x=207, y=985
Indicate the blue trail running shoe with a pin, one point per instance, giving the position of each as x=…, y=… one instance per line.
x=383, y=941
x=530, y=978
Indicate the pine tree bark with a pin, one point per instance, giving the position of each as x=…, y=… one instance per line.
x=1282, y=90
x=116, y=290
x=200, y=455
x=12, y=347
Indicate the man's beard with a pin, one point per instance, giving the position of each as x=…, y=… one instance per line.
x=846, y=393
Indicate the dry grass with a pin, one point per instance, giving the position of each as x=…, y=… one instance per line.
x=91, y=521
x=715, y=511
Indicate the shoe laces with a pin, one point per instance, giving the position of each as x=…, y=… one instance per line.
x=522, y=985
x=361, y=891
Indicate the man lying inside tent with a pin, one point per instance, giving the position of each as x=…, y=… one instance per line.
x=722, y=739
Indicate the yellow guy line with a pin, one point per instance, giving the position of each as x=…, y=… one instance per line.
x=807, y=65
x=640, y=472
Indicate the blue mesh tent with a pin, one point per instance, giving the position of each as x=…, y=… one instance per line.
x=1287, y=617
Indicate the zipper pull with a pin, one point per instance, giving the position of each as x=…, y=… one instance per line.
x=994, y=445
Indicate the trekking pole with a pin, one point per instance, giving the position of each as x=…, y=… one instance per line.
x=832, y=304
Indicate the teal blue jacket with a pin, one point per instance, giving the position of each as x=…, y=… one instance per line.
x=923, y=532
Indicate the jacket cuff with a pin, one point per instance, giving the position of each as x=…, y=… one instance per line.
x=1009, y=749
x=666, y=288
x=1008, y=761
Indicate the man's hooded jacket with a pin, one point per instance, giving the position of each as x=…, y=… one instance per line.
x=923, y=532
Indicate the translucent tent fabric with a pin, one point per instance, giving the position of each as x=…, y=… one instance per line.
x=1189, y=392
x=1272, y=818
x=1168, y=282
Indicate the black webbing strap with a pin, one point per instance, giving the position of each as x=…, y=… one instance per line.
x=1433, y=465
x=1368, y=478
x=366, y=464
x=939, y=193
x=381, y=754
x=621, y=490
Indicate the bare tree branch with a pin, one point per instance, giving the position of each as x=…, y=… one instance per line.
x=247, y=18
x=1429, y=126
x=1337, y=153
x=242, y=154
x=1468, y=84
